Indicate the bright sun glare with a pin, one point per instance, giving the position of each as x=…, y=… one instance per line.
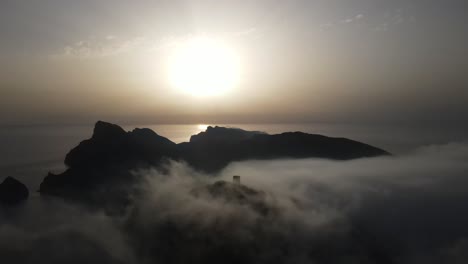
x=204, y=67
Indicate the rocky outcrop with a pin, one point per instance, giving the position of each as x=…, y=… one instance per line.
x=234, y=193
x=208, y=151
x=110, y=145
x=223, y=134
x=12, y=192
x=99, y=167
x=104, y=161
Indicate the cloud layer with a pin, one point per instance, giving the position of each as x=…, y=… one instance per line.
x=406, y=209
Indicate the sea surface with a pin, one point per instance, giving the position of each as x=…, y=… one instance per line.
x=29, y=152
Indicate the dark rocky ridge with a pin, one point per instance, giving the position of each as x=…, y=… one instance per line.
x=110, y=145
x=12, y=192
x=214, y=149
x=103, y=162
x=234, y=193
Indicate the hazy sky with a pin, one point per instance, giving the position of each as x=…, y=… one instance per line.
x=371, y=61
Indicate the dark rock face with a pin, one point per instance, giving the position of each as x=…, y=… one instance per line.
x=13, y=192
x=104, y=161
x=223, y=134
x=208, y=151
x=110, y=145
x=99, y=167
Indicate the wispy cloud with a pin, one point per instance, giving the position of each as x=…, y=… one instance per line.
x=112, y=45
x=394, y=18
x=387, y=20
x=353, y=19
x=248, y=31
x=349, y=20
x=102, y=47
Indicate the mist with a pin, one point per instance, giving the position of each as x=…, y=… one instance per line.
x=396, y=209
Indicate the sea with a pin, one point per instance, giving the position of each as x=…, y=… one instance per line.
x=28, y=153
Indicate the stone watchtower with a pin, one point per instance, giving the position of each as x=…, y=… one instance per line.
x=236, y=179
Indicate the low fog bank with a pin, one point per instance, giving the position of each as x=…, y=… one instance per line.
x=413, y=205
x=401, y=209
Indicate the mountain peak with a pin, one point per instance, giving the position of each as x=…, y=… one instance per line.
x=12, y=191
x=104, y=130
x=219, y=133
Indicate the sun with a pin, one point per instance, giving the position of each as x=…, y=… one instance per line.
x=204, y=67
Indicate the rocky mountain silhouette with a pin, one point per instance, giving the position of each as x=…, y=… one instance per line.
x=103, y=162
x=12, y=192
x=215, y=148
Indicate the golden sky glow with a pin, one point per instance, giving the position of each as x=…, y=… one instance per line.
x=211, y=61
x=204, y=67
